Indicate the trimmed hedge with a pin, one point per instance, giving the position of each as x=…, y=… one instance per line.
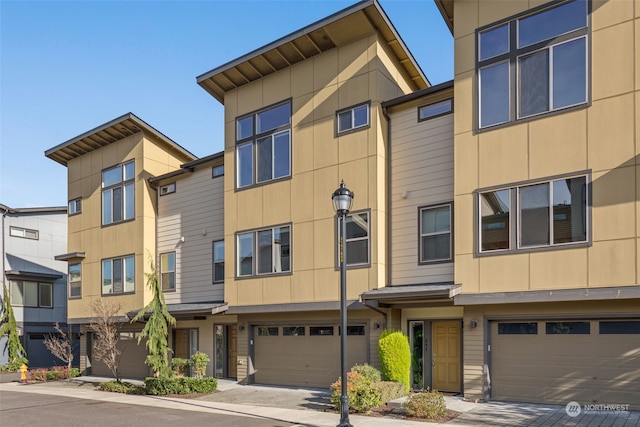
x=395, y=357
x=121, y=387
x=179, y=385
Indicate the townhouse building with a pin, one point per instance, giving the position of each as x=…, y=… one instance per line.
x=37, y=283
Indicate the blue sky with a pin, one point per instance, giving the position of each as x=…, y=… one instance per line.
x=69, y=66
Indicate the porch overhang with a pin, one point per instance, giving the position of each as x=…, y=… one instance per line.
x=189, y=309
x=31, y=275
x=421, y=294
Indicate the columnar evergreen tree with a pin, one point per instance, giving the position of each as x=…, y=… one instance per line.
x=156, y=330
x=9, y=328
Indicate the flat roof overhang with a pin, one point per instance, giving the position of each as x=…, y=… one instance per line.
x=412, y=295
x=26, y=275
x=446, y=10
x=336, y=30
x=189, y=309
x=71, y=256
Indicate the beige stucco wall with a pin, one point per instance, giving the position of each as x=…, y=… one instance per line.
x=86, y=233
x=601, y=138
x=357, y=72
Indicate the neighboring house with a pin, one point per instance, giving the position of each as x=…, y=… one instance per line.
x=112, y=226
x=37, y=283
x=546, y=199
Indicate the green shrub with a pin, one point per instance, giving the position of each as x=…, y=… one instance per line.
x=121, y=387
x=38, y=374
x=199, y=362
x=395, y=357
x=179, y=385
x=390, y=390
x=368, y=371
x=363, y=393
x=74, y=372
x=180, y=366
x=426, y=405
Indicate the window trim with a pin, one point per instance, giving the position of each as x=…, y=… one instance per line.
x=213, y=171
x=122, y=184
x=514, y=53
x=38, y=285
x=514, y=216
x=433, y=104
x=254, y=264
x=69, y=296
x=13, y=230
x=421, y=260
x=170, y=189
x=213, y=261
x=123, y=257
x=368, y=238
x=77, y=203
x=174, y=271
x=353, y=128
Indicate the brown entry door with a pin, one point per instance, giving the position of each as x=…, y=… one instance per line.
x=232, y=351
x=446, y=356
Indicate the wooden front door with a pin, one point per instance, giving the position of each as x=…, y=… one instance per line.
x=446, y=356
x=232, y=350
x=181, y=346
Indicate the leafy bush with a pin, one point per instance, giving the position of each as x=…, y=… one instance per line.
x=395, y=357
x=199, y=362
x=180, y=366
x=38, y=375
x=426, y=405
x=179, y=385
x=368, y=371
x=74, y=372
x=121, y=387
x=390, y=390
x=363, y=393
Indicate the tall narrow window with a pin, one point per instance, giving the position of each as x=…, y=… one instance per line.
x=75, y=206
x=435, y=234
x=168, y=271
x=75, y=280
x=118, y=196
x=218, y=261
x=357, y=239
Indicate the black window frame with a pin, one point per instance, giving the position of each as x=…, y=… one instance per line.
x=21, y=233
x=123, y=183
x=368, y=239
x=421, y=235
x=352, y=128
x=167, y=189
x=215, y=171
x=256, y=250
x=69, y=295
x=162, y=272
x=77, y=206
x=123, y=272
x=432, y=105
x=518, y=328
x=214, y=262
x=39, y=285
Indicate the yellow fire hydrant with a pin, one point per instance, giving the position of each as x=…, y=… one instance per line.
x=23, y=372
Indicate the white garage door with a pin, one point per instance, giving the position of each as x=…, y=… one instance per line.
x=587, y=361
x=306, y=355
x=132, y=358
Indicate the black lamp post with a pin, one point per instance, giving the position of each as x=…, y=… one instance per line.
x=342, y=200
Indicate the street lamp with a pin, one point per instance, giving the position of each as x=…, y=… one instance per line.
x=342, y=200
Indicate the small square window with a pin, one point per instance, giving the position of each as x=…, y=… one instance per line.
x=217, y=171
x=75, y=206
x=168, y=189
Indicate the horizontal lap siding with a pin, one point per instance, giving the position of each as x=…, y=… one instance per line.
x=196, y=212
x=422, y=166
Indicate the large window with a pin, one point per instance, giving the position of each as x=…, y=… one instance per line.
x=533, y=64
x=168, y=271
x=357, y=239
x=31, y=294
x=352, y=118
x=75, y=280
x=266, y=251
x=537, y=215
x=118, y=275
x=218, y=261
x=436, y=238
x=263, y=146
x=118, y=193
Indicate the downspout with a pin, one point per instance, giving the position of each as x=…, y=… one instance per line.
x=4, y=214
x=388, y=184
x=377, y=310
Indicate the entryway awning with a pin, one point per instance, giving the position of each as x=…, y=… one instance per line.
x=429, y=293
x=190, y=309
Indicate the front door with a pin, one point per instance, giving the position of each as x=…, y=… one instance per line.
x=446, y=356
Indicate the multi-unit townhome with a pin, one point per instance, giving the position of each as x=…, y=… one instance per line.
x=494, y=220
x=36, y=282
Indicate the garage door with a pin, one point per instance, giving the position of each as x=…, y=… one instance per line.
x=132, y=358
x=305, y=355
x=587, y=361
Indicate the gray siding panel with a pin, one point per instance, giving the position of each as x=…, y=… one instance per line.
x=422, y=169
x=194, y=212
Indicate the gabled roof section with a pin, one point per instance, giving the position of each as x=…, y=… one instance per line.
x=446, y=10
x=110, y=132
x=333, y=31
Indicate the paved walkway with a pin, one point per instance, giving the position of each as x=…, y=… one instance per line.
x=306, y=407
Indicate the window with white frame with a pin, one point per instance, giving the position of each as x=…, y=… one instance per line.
x=168, y=271
x=25, y=233
x=118, y=275
x=75, y=206
x=437, y=109
x=218, y=261
x=266, y=251
x=357, y=239
x=31, y=294
x=534, y=63
x=75, y=280
x=543, y=214
x=118, y=198
x=352, y=118
x=263, y=146
x=436, y=238
x=168, y=189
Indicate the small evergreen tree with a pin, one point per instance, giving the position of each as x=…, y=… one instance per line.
x=9, y=328
x=395, y=357
x=156, y=330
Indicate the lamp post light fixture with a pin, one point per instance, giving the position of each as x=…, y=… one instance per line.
x=342, y=200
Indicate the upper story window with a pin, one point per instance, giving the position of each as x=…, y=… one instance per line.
x=168, y=189
x=118, y=275
x=168, y=271
x=543, y=214
x=436, y=109
x=75, y=206
x=357, y=239
x=25, y=233
x=217, y=171
x=263, y=146
x=75, y=280
x=533, y=64
x=218, y=261
x=436, y=238
x=118, y=193
x=31, y=294
x=266, y=251
x=352, y=118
